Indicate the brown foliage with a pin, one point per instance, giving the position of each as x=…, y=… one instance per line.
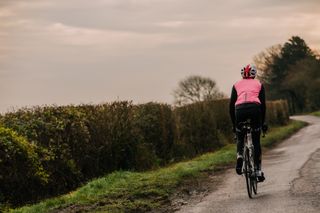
x=73, y=144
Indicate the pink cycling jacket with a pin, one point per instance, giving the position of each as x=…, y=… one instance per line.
x=248, y=91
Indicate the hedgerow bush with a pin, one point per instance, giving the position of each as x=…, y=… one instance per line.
x=62, y=138
x=22, y=176
x=221, y=117
x=154, y=128
x=72, y=144
x=112, y=142
x=197, y=127
x=277, y=112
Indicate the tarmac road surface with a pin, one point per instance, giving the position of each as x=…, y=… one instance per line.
x=292, y=184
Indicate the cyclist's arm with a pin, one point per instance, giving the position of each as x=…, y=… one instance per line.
x=233, y=100
x=262, y=98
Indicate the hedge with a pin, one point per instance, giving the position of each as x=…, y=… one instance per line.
x=154, y=130
x=196, y=129
x=62, y=138
x=22, y=176
x=277, y=112
x=69, y=145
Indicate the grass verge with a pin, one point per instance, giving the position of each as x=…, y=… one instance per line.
x=125, y=191
x=280, y=133
x=316, y=113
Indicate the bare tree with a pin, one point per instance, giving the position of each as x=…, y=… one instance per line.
x=196, y=88
x=265, y=60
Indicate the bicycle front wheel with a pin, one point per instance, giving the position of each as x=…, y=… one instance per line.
x=254, y=184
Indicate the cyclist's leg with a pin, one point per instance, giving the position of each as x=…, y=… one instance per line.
x=241, y=116
x=257, y=148
x=256, y=124
x=257, y=155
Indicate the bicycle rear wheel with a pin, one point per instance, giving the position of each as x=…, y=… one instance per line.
x=247, y=172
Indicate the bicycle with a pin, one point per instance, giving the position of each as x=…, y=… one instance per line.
x=248, y=167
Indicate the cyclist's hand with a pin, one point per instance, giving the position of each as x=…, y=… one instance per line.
x=265, y=128
x=235, y=139
x=234, y=132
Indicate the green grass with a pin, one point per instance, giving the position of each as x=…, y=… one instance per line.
x=316, y=113
x=142, y=191
x=281, y=133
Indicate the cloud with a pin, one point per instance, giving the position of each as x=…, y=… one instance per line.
x=6, y=12
x=138, y=49
x=81, y=36
x=288, y=22
x=171, y=24
x=27, y=5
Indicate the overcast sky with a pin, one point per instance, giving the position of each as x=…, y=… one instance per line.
x=80, y=51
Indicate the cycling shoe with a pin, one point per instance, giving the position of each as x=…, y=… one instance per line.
x=260, y=176
x=239, y=164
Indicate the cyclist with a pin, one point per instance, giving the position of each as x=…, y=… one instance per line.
x=248, y=102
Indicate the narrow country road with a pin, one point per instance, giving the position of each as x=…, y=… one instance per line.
x=292, y=183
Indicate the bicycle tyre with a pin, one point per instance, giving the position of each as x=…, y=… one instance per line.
x=255, y=185
x=253, y=180
x=247, y=172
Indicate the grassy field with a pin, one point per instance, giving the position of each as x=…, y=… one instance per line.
x=142, y=191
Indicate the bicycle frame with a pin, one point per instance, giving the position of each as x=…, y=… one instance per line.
x=248, y=168
x=248, y=147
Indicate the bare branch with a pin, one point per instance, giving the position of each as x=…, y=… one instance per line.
x=196, y=88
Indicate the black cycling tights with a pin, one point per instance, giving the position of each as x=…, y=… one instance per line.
x=254, y=114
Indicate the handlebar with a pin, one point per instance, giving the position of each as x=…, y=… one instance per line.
x=243, y=125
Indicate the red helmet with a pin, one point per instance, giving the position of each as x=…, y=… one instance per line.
x=249, y=71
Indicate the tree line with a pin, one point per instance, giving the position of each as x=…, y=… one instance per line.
x=289, y=71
